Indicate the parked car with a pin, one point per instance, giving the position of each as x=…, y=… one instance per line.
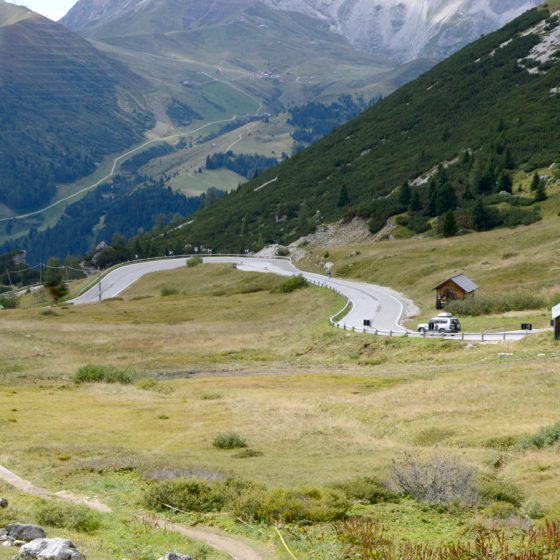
x=442, y=323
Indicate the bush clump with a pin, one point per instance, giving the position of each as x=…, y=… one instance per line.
x=495, y=490
x=486, y=305
x=68, y=516
x=368, y=490
x=292, y=284
x=102, y=374
x=229, y=440
x=8, y=302
x=249, y=501
x=165, y=291
x=308, y=505
x=545, y=437
x=185, y=494
x=194, y=261
x=439, y=480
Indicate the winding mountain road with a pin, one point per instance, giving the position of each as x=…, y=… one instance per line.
x=382, y=307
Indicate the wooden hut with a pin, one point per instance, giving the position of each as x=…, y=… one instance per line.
x=457, y=287
x=556, y=321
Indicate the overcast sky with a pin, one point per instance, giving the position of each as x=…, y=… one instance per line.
x=53, y=9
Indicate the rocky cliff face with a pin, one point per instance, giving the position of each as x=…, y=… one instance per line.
x=409, y=29
x=403, y=29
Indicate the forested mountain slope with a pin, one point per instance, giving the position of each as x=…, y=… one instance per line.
x=492, y=108
x=63, y=106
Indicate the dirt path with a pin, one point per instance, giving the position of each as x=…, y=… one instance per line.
x=29, y=488
x=236, y=549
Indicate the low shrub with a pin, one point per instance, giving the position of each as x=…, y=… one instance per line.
x=486, y=305
x=501, y=442
x=185, y=494
x=500, y=510
x=165, y=291
x=545, y=437
x=49, y=313
x=369, y=490
x=307, y=505
x=248, y=501
x=102, y=374
x=68, y=516
x=419, y=224
x=194, y=261
x=247, y=454
x=292, y=284
x=495, y=490
x=282, y=252
x=533, y=509
x=440, y=480
x=229, y=440
x=10, y=514
x=210, y=396
x=8, y=302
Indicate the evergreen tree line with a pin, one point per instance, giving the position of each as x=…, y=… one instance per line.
x=121, y=207
x=315, y=120
x=246, y=165
x=463, y=195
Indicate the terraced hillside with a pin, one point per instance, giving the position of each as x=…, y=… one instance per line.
x=63, y=106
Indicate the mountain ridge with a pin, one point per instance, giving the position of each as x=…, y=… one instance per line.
x=63, y=106
x=402, y=29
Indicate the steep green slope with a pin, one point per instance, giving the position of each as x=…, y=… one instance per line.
x=487, y=104
x=63, y=106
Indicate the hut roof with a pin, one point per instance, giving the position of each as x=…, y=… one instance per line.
x=463, y=281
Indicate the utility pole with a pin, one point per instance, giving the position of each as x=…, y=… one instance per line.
x=40, y=273
x=99, y=282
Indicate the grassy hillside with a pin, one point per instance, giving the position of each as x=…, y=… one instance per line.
x=63, y=106
x=212, y=350
x=274, y=56
x=487, y=105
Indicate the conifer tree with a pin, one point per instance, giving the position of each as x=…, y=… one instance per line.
x=343, y=197
x=449, y=228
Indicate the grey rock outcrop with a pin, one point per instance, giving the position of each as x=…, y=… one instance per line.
x=25, y=532
x=50, y=549
x=176, y=556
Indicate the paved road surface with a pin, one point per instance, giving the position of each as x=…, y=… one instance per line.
x=383, y=307
x=121, y=278
x=380, y=305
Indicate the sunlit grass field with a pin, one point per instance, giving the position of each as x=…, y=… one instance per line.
x=214, y=350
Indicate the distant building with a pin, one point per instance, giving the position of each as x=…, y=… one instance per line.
x=556, y=321
x=456, y=287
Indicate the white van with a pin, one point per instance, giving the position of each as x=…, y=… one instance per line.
x=442, y=323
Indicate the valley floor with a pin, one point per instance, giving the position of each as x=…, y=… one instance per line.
x=215, y=350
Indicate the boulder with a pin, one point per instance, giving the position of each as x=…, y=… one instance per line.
x=25, y=532
x=3, y=503
x=176, y=556
x=50, y=549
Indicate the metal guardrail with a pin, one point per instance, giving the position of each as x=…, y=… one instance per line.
x=335, y=320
